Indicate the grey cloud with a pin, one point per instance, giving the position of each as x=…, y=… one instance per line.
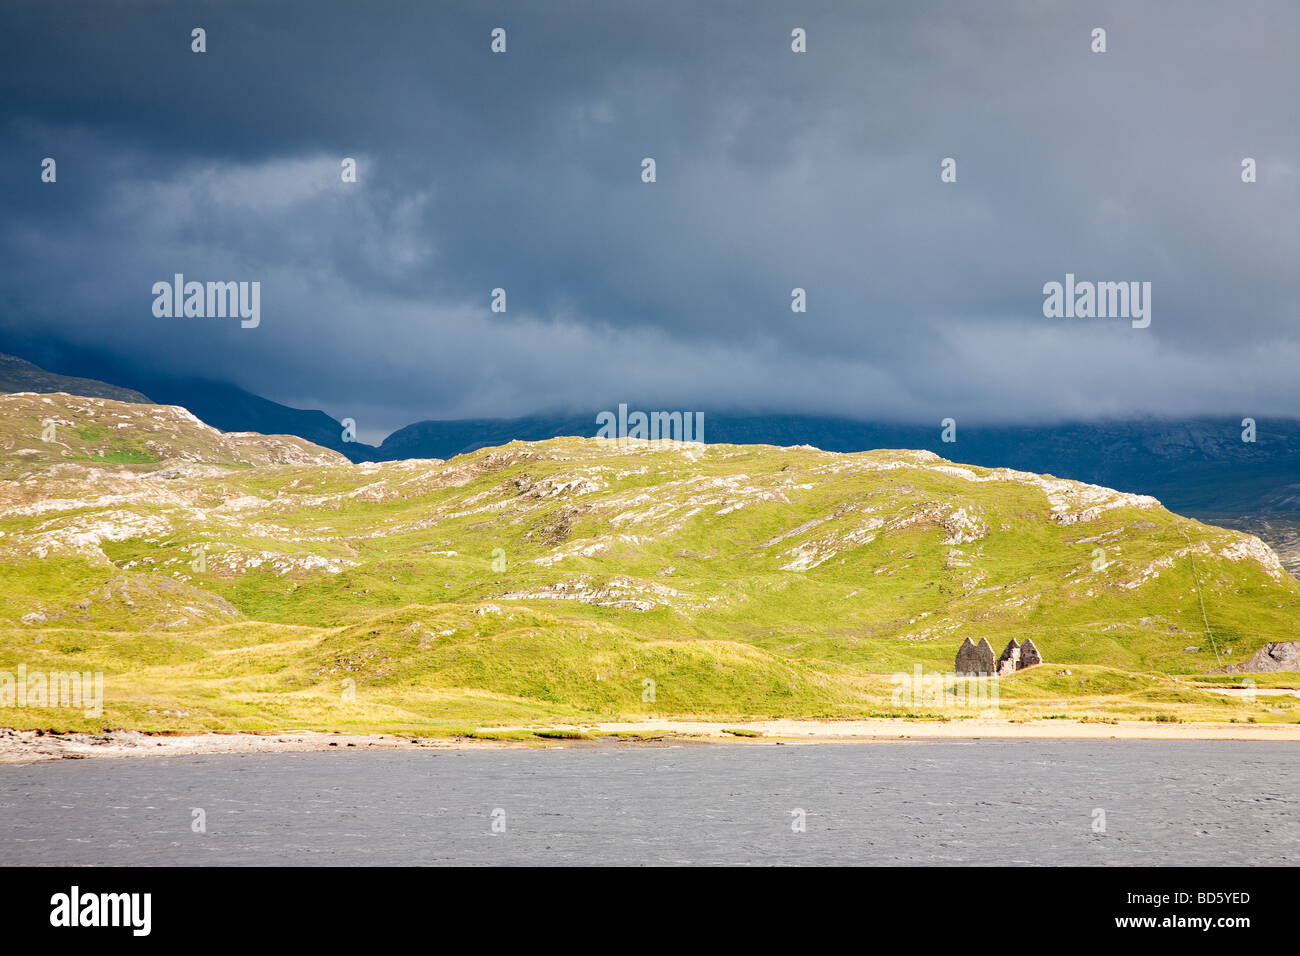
x=775, y=170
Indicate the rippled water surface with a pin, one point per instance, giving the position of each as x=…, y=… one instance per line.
x=949, y=802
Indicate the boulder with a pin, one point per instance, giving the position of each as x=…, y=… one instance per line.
x=1280, y=656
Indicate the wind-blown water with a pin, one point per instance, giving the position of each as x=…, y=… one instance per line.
x=952, y=802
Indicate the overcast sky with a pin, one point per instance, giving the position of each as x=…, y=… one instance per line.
x=775, y=170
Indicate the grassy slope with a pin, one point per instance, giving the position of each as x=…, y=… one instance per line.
x=742, y=580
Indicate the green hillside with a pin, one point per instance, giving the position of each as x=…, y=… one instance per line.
x=228, y=581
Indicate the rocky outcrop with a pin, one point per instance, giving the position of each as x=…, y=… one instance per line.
x=708, y=538
x=1279, y=656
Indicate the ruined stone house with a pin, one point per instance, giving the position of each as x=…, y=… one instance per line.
x=975, y=658
x=978, y=658
x=1009, y=662
x=1029, y=656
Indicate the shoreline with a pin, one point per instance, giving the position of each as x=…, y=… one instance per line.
x=19, y=747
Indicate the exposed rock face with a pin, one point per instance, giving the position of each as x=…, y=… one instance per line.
x=1029, y=656
x=1281, y=656
x=975, y=658
x=83, y=429
x=1009, y=662
x=91, y=489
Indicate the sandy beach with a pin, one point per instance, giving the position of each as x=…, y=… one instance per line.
x=20, y=747
x=27, y=746
x=850, y=730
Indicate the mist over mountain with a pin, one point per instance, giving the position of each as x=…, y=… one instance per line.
x=220, y=404
x=1200, y=467
x=1183, y=458
x=417, y=415
x=232, y=409
x=19, y=375
x=1197, y=466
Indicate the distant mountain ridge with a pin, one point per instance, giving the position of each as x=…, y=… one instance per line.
x=219, y=404
x=20, y=375
x=232, y=409
x=1199, y=466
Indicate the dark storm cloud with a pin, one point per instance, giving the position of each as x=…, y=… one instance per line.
x=775, y=170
